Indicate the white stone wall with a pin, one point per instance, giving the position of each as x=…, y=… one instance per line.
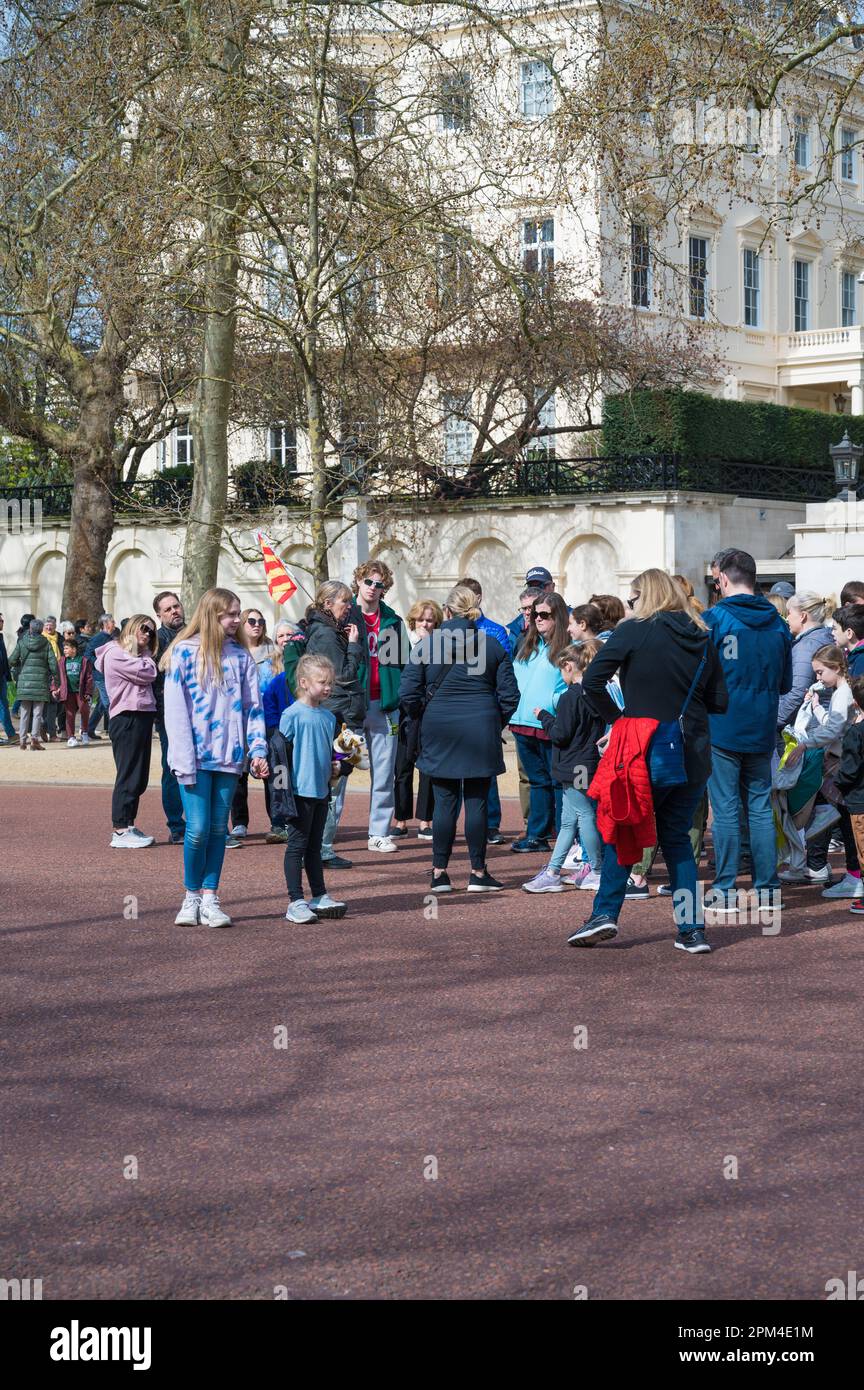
x=589, y=546
x=829, y=547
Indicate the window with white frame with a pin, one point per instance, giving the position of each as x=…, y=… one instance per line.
x=458, y=430
x=538, y=250
x=697, y=265
x=454, y=111
x=543, y=444
x=640, y=265
x=801, y=276
x=282, y=446
x=453, y=270
x=752, y=288
x=848, y=299
x=536, y=90
x=801, y=141
x=357, y=109
x=847, y=155
x=183, y=447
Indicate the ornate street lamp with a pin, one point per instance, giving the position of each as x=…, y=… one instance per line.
x=846, y=458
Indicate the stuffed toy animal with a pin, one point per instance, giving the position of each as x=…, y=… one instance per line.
x=350, y=749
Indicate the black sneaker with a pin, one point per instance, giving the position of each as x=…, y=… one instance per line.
x=596, y=929
x=528, y=846
x=692, y=941
x=636, y=890
x=423, y=834
x=665, y=890
x=337, y=863
x=441, y=883
x=483, y=883
x=398, y=832
x=176, y=837
x=494, y=837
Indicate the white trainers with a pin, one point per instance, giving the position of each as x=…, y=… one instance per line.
x=325, y=906
x=300, y=911
x=71, y=743
x=188, y=914
x=210, y=913
x=382, y=843
x=85, y=739
x=573, y=860
x=239, y=832
x=848, y=887
x=130, y=839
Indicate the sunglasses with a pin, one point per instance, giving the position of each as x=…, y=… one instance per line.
x=374, y=584
x=255, y=622
x=632, y=602
x=148, y=631
x=542, y=613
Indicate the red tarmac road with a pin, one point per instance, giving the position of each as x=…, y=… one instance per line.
x=411, y=1045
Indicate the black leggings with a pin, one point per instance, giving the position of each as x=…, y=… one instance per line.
x=240, y=803
x=303, y=846
x=131, y=742
x=404, y=786
x=817, y=848
x=447, y=790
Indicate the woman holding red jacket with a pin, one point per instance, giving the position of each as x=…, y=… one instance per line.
x=658, y=654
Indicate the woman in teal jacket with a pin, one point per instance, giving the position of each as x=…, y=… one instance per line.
x=541, y=685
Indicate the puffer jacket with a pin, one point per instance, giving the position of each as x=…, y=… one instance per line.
x=34, y=667
x=324, y=638
x=804, y=648
x=621, y=787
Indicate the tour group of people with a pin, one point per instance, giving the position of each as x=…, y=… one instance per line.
x=630, y=721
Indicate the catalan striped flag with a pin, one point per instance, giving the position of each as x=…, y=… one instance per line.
x=279, y=581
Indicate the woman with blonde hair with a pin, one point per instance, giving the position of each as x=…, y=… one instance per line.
x=459, y=685
x=690, y=594
x=424, y=617
x=809, y=619
x=128, y=667
x=213, y=719
x=670, y=672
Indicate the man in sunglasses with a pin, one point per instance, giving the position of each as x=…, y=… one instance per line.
x=387, y=645
x=169, y=613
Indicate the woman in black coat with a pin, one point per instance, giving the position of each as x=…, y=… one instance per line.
x=460, y=681
x=332, y=631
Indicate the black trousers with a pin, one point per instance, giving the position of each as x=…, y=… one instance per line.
x=303, y=846
x=817, y=848
x=403, y=806
x=240, y=803
x=447, y=791
x=131, y=743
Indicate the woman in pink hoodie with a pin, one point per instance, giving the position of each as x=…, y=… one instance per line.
x=129, y=669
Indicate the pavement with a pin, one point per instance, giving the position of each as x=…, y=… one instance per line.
x=427, y=1099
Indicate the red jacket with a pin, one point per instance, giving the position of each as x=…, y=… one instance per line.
x=621, y=787
x=60, y=690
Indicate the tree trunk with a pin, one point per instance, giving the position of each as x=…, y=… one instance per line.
x=320, y=488
x=91, y=526
x=212, y=405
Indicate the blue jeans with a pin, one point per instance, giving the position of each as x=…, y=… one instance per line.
x=171, y=803
x=578, y=819
x=674, y=808
x=743, y=777
x=544, y=807
x=100, y=709
x=4, y=710
x=493, y=808
x=207, y=805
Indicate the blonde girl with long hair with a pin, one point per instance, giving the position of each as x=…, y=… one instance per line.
x=214, y=720
x=128, y=667
x=667, y=665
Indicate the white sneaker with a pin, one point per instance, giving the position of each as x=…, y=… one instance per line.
x=573, y=860
x=71, y=743
x=130, y=839
x=325, y=906
x=210, y=914
x=590, y=883
x=85, y=739
x=239, y=832
x=819, y=875
x=300, y=911
x=140, y=833
x=188, y=914
x=382, y=843
x=848, y=887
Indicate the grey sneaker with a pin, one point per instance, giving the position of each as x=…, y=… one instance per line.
x=848, y=887
x=544, y=882
x=300, y=912
x=239, y=832
x=327, y=907
x=600, y=928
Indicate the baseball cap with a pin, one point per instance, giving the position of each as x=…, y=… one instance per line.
x=783, y=588
x=538, y=575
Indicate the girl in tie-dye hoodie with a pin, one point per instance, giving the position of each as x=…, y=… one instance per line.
x=213, y=719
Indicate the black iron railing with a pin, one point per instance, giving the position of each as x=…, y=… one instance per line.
x=549, y=477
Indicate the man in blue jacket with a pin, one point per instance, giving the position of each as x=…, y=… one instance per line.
x=756, y=655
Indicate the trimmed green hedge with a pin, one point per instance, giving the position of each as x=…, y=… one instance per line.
x=695, y=425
